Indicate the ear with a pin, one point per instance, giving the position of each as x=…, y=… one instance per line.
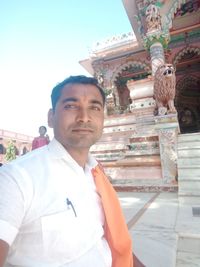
x=50, y=118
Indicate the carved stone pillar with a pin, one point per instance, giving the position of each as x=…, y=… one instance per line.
x=156, y=39
x=168, y=129
x=157, y=56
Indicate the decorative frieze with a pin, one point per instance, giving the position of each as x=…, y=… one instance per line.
x=111, y=43
x=144, y=148
x=168, y=128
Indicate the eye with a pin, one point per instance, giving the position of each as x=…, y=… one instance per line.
x=96, y=108
x=70, y=106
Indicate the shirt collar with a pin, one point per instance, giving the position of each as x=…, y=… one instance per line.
x=57, y=151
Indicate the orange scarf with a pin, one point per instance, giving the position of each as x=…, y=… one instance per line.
x=116, y=231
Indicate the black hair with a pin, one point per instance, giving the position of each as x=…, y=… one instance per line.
x=80, y=79
x=42, y=126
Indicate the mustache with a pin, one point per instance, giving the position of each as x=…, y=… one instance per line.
x=85, y=126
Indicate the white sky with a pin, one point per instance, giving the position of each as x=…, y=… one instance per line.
x=41, y=44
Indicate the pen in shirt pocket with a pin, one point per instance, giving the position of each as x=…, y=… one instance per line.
x=70, y=204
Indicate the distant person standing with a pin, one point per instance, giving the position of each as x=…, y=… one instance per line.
x=42, y=139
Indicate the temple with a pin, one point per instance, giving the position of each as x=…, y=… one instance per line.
x=151, y=77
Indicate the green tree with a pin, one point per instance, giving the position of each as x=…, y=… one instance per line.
x=10, y=152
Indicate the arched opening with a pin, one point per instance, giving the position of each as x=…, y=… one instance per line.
x=130, y=71
x=187, y=102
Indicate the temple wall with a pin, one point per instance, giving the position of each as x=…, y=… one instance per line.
x=20, y=141
x=129, y=148
x=138, y=145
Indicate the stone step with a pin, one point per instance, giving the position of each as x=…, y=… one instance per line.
x=146, y=188
x=188, y=153
x=189, y=165
x=143, y=185
x=133, y=172
x=192, y=145
x=190, y=200
x=113, y=146
x=190, y=179
x=137, y=182
x=135, y=161
x=188, y=172
x=186, y=196
x=189, y=137
x=188, y=250
x=189, y=187
x=190, y=162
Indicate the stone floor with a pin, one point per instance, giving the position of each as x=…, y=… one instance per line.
x=164, y=231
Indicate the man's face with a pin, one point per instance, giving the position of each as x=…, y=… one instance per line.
x=78, y=117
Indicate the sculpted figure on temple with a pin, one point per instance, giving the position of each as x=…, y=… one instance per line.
x=153, y=18
x=100, y=78
x=111, y=103
x=164, y=89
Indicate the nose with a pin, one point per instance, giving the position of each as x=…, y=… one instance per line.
x=83, y=115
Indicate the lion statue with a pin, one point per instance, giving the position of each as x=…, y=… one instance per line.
x=164, y=89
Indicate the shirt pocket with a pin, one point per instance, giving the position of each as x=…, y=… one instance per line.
x=60, y=240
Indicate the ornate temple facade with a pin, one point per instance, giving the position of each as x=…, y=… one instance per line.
x=139, y=145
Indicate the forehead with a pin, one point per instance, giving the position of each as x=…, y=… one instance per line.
x=79, y=91
x=42, y=128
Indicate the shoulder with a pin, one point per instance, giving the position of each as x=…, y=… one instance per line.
x=28, y=162
x=26, y=173
x=35, y=139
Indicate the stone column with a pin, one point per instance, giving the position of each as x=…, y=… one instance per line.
x=157, y=56
x=156, y=38
x=156, y=42
x=168, y=128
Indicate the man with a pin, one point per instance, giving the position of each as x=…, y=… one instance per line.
x=42, y=139
x=57, y=208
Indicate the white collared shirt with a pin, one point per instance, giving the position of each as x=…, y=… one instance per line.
x=50, y=212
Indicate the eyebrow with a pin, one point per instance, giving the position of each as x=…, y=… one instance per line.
x=74, y=99
x=96, y=102
x=69, y=99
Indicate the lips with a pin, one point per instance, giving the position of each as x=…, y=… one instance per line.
x=82, y=130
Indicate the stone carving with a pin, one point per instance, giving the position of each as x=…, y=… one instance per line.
x=111, y=103
x=100, y=78
x=168, y=153
x=153, y=18
x=164, y=89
